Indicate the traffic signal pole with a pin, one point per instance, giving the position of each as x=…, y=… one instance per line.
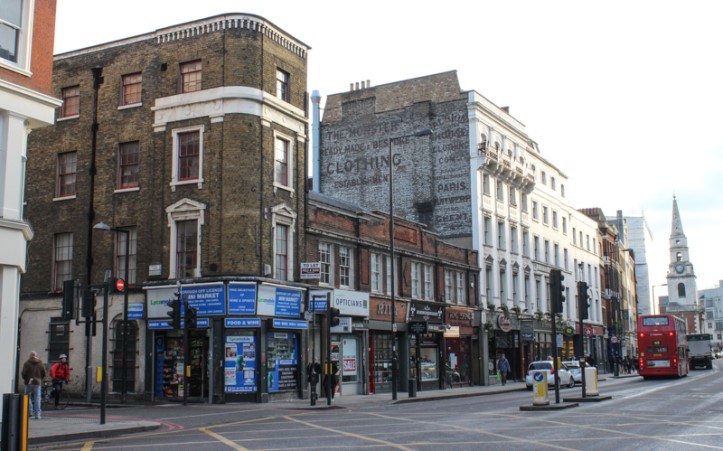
x=582, y=314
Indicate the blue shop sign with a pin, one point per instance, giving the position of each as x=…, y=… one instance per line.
x=206, y=299
x=279, y=301
x=242, y=323
x=290, y=324
x=241, y=298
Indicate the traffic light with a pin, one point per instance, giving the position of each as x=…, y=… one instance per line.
x=582, y=299
x=191, y=315
x=333, y=316
x=557, y=291
x=88, y=302
x=67, y=311
x=175, y=312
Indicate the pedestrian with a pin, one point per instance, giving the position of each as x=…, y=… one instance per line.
x=61, y=375
x=33, y=374
x=590, y=360
x=503, y=366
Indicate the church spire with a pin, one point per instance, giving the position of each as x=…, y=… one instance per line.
x=677, y=228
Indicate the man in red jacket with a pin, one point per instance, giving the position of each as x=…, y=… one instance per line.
x=60, y=374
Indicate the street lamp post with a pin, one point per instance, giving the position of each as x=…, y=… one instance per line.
x=419, y=133
x=124, y=322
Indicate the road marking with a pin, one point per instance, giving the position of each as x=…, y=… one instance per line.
x=223, y=439
x=508, y=438
x=348, y=434
x=87, y=446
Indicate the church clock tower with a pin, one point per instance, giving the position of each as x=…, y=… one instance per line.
x=681, y=277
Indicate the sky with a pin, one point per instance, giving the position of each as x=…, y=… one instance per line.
x=624, y=97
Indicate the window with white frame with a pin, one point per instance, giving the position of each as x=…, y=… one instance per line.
x=574, y=236
x=121, y=238
x=556, y=254
x=538, y=293
x=525, y=243
x=513, y=239
x=281, y=252
x=488, y=283
x=515, y=290
x=346, y=267
x=376, y=262
x=500, y=190
x=554, y=219
x=564, y=225
x=67, y=168
x=487, y=230
x=523, y=201
x=566, y=259
x=527, y=290
x=428, y=282
x=187, y=248
x=513, y=196
x=535, y=212
x=187, y=156
x=553, y=183
x=536, y=248
x=503, y=285
x=16, y=33
x=185, y=219
x=486, y=185
x=284, y=225
x=449, y=285
x=62, y=260
x=283, y=151
x=459, y=287
x=547, y=251
x=416, y=280
x=501, y=241
x=327, y=264
x=545, y=215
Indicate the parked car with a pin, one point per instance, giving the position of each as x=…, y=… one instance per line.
x=574, y=367
x=566, y=379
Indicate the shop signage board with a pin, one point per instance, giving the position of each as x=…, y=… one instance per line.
x=207, y=299
x=419, y=311
x=242, y=323
x=351, y=303
x=527, y=329
x=417, y=327
x=278, y=301
x=241, y=298
x=344, y=326
x=290, y=324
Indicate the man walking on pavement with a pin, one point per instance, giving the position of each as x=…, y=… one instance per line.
x=503, y=366
x=33, y=374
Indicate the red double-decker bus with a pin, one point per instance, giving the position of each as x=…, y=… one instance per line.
x=662, y=346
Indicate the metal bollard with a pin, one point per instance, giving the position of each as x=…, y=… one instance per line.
x=14, y=422
x=412, y=385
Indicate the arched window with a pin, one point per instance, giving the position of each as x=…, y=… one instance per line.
x=681, y=290
x=679, y=257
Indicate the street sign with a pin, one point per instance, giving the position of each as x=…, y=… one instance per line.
x=120, y=284
x=311, y=270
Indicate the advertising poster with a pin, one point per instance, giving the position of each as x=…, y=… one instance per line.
x=240, y=364
x=283, y=360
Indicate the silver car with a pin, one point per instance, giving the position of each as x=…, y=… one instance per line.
x=566, y=379
x=574, y=367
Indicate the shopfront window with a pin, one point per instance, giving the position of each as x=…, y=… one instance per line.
x=282, y=351
x=350, y=360
x=382, y=364
x=240, y=362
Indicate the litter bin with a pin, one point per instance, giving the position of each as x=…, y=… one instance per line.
x=412, y=385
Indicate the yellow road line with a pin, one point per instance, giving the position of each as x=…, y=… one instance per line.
x=223, y=440
x=349, y=434
x=87, y=446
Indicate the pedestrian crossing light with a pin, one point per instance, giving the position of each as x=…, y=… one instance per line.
x=557, y=291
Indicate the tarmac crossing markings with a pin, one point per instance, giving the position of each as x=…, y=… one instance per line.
x=348, y=434
x=223, y=440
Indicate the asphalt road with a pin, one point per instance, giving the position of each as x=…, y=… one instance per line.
x=670, y=414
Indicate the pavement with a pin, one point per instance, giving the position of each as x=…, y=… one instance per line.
x=78, y=423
